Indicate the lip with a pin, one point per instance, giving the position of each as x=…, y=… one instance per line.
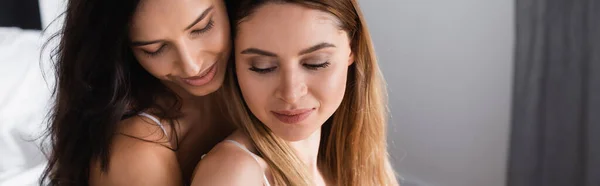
x=202, y=79
x=292, y=116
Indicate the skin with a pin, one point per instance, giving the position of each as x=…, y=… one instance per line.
x=173, y=40
x=288, y=57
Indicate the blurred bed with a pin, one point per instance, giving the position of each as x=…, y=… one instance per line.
x=25, y=87
x=24, y=98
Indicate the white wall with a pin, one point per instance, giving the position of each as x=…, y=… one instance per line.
x=448, y=65
x=49, y=12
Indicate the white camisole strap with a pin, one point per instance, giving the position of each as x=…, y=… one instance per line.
x=251, y=154
x=155, y=120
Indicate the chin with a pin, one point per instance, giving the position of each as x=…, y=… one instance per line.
x=294, y=134
x=203, y=91
x=209, y=88
x=293, y=138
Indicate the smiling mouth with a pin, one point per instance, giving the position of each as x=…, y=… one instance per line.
x=203, y=78
x=207, y=70
x=292, y=116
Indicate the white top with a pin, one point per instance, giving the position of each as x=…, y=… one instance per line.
x=251, y=154
x=155, y=120
x=230, y=141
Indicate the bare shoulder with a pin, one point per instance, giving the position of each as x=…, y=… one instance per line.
x=227, y=164
x=145, y=129
x=138, y=158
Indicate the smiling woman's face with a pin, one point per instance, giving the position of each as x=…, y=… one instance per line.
x=291, y=64
x=184, y=43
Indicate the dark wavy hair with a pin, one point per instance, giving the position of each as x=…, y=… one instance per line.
x=98, y=83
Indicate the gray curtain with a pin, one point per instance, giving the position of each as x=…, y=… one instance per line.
x=556, y=106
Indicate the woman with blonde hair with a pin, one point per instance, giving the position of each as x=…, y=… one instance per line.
x=308, y=96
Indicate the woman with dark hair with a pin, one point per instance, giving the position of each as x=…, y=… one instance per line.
x=137, y=99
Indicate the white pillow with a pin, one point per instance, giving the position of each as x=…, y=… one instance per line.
x=24, y=103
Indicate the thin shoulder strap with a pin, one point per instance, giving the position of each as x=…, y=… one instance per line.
x=155, y=120
x=251, y=154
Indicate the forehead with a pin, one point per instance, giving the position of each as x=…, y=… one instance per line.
x=168, y=14
x=280, y=25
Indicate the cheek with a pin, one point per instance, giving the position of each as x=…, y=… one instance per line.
x=255, y=91
x=159, y=67
x=329, y=88
x=218, y=39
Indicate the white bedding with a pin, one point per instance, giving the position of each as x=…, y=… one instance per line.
x=24, y=103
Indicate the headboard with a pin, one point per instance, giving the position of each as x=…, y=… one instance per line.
x=20, y=13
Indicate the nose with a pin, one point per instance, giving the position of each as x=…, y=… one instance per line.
x=187, y=62
x=292, y=86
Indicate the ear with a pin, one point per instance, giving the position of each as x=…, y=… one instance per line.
x=351, y=58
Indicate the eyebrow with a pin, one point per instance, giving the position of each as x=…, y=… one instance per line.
x=142, y=43
x=271, y=54
x=200, y=18
x=259, y=52
x=316, y=47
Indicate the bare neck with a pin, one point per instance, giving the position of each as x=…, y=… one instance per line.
x=199, y=118
x=308, y=151
x=203, y=113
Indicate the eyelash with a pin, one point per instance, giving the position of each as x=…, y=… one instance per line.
x=317, y=66
x=262, y=70
x=207, y=28
x=155, y=53
x=309, y=66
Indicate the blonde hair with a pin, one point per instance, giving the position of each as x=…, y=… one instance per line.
x=353, y=147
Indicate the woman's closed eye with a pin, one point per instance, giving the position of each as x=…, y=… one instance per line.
x=156, y=52
x=317, y=66
x=263, y=65
x=207, y=28
x=265, y=70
